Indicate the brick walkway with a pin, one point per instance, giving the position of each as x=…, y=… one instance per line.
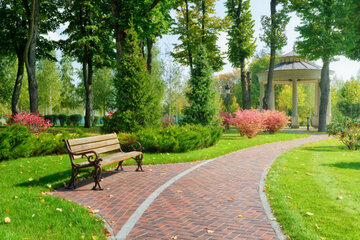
x=204, y=204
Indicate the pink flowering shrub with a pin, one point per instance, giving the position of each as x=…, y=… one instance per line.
x=248, y=122
x=226, y=118
x=35, y=123
x=274, y=120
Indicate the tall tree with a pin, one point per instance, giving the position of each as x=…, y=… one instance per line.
x=351, y=20
x=197, y=24
x=103, y=89
x=68, y=98
x=241, y=42
x=275, y=38
x=48, y=78
x=15, y=23
x=201, y=94
x=89, y=41
x=322, y=36
x=351, y=93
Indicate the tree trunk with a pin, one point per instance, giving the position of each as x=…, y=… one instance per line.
x=266, y=100
x=149, y=54
x=18, y=82
x=187, y=33
x=119, y=33
x=245, y=97
x=249, y=81
x=324, y=97
x=87, y=75
x=30, y=56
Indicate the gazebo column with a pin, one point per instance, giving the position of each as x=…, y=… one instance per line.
x=261, y=96
x=315, y=120
x=272, y=98
x=295, y=116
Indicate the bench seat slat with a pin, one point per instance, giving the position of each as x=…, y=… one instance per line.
x=94, y=145
x=80, y=141
x=116, y=157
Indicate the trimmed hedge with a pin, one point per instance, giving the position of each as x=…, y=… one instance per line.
x=53, y=118
x=63, y=119
x=74, y=119
x=175, y=138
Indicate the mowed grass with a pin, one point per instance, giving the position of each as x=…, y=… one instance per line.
x=37, y=216
x=314, y=191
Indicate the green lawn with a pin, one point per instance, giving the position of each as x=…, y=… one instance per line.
x=314, y=191
x=35, y=216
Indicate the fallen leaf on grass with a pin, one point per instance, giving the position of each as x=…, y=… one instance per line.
x=8, y=210
x=309, y=213
x=309, y=174
x=31, y=179
x=107, y=233
x=42, y=200
x=48, y=185
x=339, y=198
x=289, y=197
x=70, y=224
x=94, y=237
x=33, y=215
x=317, y=227
x=59, y=209
x=16, y=197
x=7, y=220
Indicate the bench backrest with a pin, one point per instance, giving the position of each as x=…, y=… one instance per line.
x=99, y=144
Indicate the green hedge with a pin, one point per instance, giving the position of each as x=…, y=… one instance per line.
x=176, y=138
x=16, y=141
x=74, y=119
x=52, y=117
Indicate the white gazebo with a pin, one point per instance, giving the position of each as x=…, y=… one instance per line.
x=294, y=70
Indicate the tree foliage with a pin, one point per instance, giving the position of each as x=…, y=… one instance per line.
x=241, y=42
x=197, y=24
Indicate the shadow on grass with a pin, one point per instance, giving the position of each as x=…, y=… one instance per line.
x=57, y=179
x=346, y=165
x=325, y=149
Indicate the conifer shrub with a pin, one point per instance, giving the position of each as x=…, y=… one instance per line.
x=177, y=138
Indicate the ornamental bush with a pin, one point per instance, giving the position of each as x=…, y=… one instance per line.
x=35, y=123
x=347, y=130
x=177, y=138
x=274, y=120
x=248, y=122
x=53, y=118
x=226, y=119
x=16, y=141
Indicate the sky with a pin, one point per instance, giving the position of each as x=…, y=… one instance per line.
x=344, y=68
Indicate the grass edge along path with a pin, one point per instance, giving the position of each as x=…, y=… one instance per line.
x=26, y=182
x=314, y=191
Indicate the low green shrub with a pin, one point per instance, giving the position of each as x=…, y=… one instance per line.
x=177, y=138
x=62, y=119
x=348, y=131
x=75, y=119
x=16, y=141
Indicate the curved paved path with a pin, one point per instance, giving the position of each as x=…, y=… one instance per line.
x=198, y=200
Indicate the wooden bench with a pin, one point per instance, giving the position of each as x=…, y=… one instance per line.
x=92, y=147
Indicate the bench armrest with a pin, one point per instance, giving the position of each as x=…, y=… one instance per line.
x=89, y=158
x=135, y=146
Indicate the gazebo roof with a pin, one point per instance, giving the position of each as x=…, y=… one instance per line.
x=292, y=66
x=293, y=61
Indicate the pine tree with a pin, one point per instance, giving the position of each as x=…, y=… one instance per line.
x=133, y=89
x=201, y=95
